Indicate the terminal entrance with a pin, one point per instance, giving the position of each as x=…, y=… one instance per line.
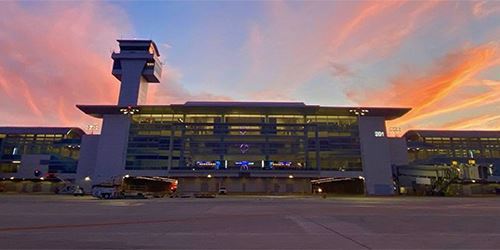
x=244, y=185
x=347, y=186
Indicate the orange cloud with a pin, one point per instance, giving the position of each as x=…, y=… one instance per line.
x=290, y=51
x=423, y=92
x=491, y=96
x=368, y=10
x=455, y=69
x=382, y=40
x=475, y=122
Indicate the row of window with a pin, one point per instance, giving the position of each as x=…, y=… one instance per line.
x=207, y=118
x=473, y=153
x=180, y=146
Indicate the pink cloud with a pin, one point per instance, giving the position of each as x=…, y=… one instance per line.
x=54, y=57
x=485, y=8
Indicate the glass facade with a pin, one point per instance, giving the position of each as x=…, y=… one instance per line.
x=243, y=142
x=434, y=149
x=63, y=149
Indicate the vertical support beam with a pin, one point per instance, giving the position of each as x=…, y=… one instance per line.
x=318, y=160
x=183, y=141
x=133, y=86
x=112, y=148
x=170, y=147
x=266, y=145
x=306, y=145
x=376, y=156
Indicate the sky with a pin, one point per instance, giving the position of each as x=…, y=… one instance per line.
x=440, y=58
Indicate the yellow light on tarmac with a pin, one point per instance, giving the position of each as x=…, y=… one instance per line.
x=320, y=190
x=41, y=178
x=290, y=176
x=473, y=181
x=209, y=176
x=12, y=177
x=126, y=176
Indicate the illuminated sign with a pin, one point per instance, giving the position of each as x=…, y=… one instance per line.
x=281, y=163
x=244, y=164
x=248, y=163
x=379, y=133
x=205, y=163
x=208, y=164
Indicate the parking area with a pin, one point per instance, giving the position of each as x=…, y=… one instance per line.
x=250, y=222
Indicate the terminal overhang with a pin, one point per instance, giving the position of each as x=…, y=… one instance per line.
x=452, y=133
x=41, y=130
x=264, y=108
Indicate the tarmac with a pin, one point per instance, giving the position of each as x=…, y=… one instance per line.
x=249, y=222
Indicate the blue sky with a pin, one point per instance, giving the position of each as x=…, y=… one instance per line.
x=439, y=58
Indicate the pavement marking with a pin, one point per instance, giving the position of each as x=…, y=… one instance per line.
x=294, y=213
x=115, y=223
x=61, y=226
x=307, y=226
x=327, y=232
x=341, y=234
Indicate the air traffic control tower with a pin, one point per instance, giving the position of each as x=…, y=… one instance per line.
x=136, y=65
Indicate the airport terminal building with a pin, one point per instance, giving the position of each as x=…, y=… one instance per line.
x=33, y=151
x=246, y=147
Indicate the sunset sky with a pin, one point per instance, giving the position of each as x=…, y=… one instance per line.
x=440, y=58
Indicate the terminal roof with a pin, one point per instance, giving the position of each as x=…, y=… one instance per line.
x=452, y=133
x=138, y=42
x=265, y=108
x=40, y=130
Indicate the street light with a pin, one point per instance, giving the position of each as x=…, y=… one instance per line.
x=129, y=110
x=359, y=111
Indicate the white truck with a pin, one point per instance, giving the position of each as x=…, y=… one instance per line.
x=104, y=191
